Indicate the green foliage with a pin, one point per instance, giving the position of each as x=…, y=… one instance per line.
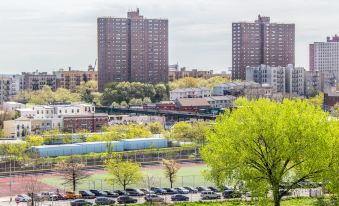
x=318, y=100
x=287, y=202
x=132, y=91
x=14, y=151
x=46, y=96
x=87, y=91
x=155, y=127
x=194, y=132
x=268, y=144
x=146, y=100
x=123, y=173
x=118, y=132
x=189, y=82
x=135, y=101
x=34, y=140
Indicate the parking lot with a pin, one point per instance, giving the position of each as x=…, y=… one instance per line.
x=167, y=199
x=193, y=197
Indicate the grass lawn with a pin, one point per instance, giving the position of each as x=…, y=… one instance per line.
x=187, y=176
x=290, y=202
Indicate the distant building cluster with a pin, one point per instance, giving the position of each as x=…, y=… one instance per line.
x=289, y=81
x=10, y=85
x=175, y=73
x=37, y=119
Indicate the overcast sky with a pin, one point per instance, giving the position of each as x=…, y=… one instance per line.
x=52, y=34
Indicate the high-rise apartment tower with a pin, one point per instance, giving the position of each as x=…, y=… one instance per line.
x=261, y=42
x=132, y=49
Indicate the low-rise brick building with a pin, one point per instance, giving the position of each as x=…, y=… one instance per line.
x=91, y=122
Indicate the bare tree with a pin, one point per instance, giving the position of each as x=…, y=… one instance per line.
x=72, y=172
x=171, y=168
x=32, y=187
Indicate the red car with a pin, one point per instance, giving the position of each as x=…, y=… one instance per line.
x=62, y=196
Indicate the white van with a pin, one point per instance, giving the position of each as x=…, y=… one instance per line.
x=208, y=195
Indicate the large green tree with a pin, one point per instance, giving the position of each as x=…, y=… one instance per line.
x=130, y=91
x=268, y=145
x=123, y=173
x=194, y=132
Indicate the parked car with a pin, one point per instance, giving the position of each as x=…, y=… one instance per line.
x=110, y=194
x=208, y=195
x=51, y=196
x=213, y=189
x=80, y=203
x=230, y=193
x=35, y=196
x=153, y=198
x=179, y=197
x=121, y=192
x=126, y=199
x=158, y=190
x=147, y=191
x=181, y=190
x=62, y=196
x=202, y=188
x=104, y=201
x=86, y=194
x=97, y=193
x=134, y=192
x=191, y=189
x=22, y=198
x=170, y=191
x=72, y=195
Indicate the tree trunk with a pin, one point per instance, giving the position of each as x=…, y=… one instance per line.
x=74, y=182
x=276, y=196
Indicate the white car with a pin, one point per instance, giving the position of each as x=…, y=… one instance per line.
x=209, y=195
x=22, y=198
x=49, y=196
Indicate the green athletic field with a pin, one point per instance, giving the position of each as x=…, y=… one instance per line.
x=187, y=176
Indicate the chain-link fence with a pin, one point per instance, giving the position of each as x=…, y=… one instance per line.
x=48, y=164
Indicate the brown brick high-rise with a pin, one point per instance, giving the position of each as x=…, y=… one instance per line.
x=132, y=49
x=261, y=42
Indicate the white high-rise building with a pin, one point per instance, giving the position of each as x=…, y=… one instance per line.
x=324, y=57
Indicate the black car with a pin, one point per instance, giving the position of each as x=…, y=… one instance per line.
x=213, y=189
x=110, y=194
x=170, y=191
x=202, y=189
x=158, y=190
x=126, y=199
x=121, y=192
x=179, y=197
x=104, y=201
x=230, y=193
x=191, y=189
x=134, y=192
x=80, y=203
x=97, y=193
x=86, y=194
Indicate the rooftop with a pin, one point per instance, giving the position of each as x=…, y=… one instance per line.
x=193, y=102
x=190, y=89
